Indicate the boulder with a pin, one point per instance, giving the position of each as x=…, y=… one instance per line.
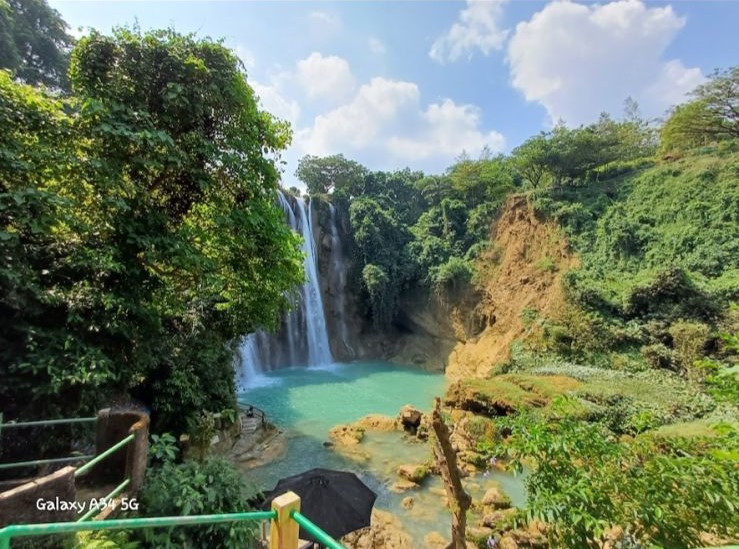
x=413, y=472
x=385, y=532
x=408, y=502
x=410, y=418
x=377, y=422
x=506, y=542
x=496, y=499
x=403, y=485
x=347, y=435
x=478, y=535
x=499, y=520
x=528, y=538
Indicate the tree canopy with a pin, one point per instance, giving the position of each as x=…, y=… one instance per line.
x=34, y=44
x=712, y=116
x=141, y=224
x=331, y=174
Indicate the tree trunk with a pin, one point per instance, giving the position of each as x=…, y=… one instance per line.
x=446, y=460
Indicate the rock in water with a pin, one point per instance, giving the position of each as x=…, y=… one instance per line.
x=496, y=499
x=410, y=418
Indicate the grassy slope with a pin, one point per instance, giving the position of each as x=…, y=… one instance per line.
x=682, y=214
x=627, y=230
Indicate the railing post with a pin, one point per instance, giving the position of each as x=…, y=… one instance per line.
x=283, y=530
x=137, y=453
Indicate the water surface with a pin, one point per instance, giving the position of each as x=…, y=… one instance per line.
x=307, y=402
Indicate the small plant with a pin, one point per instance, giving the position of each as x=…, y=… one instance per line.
x=529, y=316
x=229, y=415
x=104, y=540
x=202, y=430
x=546, y=264
x=194, y=488
x=163, y=448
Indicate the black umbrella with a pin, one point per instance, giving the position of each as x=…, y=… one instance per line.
x=336, y=501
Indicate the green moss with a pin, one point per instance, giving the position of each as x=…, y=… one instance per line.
x=506, y=393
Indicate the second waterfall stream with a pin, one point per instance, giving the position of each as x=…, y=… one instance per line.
x=302, y=337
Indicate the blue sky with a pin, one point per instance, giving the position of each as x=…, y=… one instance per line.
x=412, y=83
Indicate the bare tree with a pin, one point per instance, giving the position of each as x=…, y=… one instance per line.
x=446, y=461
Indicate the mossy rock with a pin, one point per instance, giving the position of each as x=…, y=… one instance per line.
x=507, y=393
x=414, y=472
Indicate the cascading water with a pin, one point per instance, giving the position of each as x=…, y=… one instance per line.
x=319, y=351
x=302, y=339
x=337, y=283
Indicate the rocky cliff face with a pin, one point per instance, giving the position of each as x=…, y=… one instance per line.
x=350, y=331
x=465, y=334
x=520, y=275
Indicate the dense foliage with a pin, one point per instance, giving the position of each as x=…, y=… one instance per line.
x=193, y=488
x=712, y=116
x=34, y=44
x=590, y=486
x=139, y=227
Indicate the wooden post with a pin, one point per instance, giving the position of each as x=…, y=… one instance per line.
x=283, y=530
x=137, y=454
x=446, y=459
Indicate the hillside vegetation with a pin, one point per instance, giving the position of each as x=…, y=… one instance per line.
x=605, y=259
x=141, y=238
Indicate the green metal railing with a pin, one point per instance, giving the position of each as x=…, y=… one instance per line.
x=113, y=493
x=101, y=456
x=30, y=530
x=43, y=423
x=321, y=536
x=47, y=422
x=84, y=469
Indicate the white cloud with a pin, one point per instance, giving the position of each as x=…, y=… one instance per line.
x=447, y=129
x=325, y=77
x=273, y=101
x=358, y=123
x=386, y=127
x=578, y=60
x=476, y=28
x=376, y=46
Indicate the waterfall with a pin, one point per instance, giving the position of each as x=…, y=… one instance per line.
x=319, y=352
x=302, y=337
x=337, y=282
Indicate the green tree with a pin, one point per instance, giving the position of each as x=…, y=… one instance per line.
x=34, y=44
x=713, y=115
x=335, y=174
x=381, y=239
x=721, y=97
x=532, y=159
x=163, y=241
x=660, y=491
x=688, y=126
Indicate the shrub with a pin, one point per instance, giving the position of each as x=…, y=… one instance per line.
x=689, y=339
x=120, y=539
x=193, y=488
x=163, y=448
x=658, y=355
x=670, y=293
x=663, y=492
x=452, y=275
x=546, y=264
